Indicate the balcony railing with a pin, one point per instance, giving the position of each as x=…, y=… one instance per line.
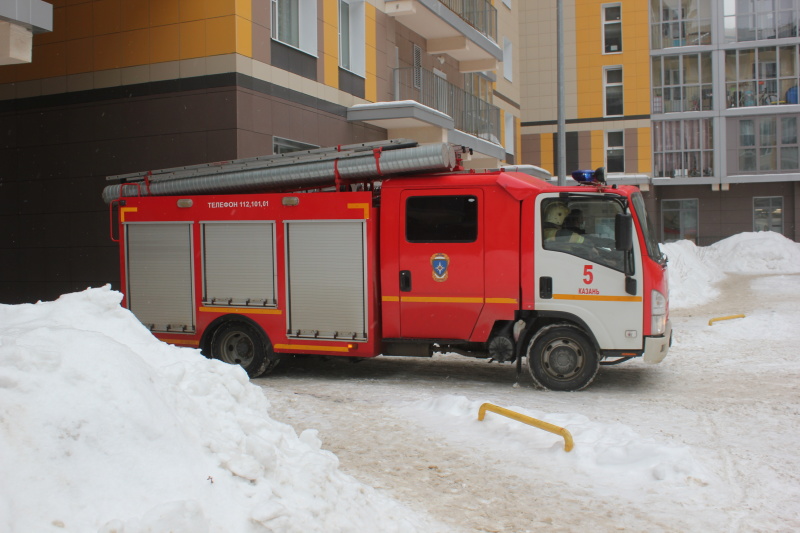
x=480, y=14
x=470, y=113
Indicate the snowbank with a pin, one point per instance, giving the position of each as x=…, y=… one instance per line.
x=104, y=428
x=694, y=270
x=611, y=456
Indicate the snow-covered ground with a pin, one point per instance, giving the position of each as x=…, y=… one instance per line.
x=103, y=428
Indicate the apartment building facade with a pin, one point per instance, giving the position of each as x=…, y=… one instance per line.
x=698, y=107
x=127, y=85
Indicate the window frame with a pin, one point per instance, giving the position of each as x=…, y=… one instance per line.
x=510, y=133
x=508, y=59
x=609, y=148
x=736, y=33
x=606, y=23
x=765, y=144
x=770, y=208
x=681, y=210
x=673, y=140
x=306, y=10
x=748, y=84
x=472, y=226
x=607, y=85
x=355, y=37
x=675, y=27
x=692, y=94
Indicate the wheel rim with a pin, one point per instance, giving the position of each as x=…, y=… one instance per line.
x=237, y=348
x=563, y=359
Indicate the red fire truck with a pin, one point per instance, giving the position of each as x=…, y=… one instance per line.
x=392, y=248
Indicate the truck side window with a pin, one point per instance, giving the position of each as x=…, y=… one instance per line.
x=442, y=218
x=584, y=227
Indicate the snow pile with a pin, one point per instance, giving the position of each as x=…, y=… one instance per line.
x=104, y=428
x=693, y=270
x=606, y=455
x=755, y=253
x=691, y=280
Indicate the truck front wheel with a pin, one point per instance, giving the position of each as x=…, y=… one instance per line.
x=561, y=357
x=239, y=343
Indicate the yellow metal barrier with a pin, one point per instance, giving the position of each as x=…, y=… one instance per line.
x=711, y=322
x=568, y=444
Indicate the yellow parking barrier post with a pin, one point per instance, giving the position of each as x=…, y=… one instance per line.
x=711, y=322
x=568, y=443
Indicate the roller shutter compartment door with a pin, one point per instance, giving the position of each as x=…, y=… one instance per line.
x=327, y=274
x=238, y=264
x=159, y=258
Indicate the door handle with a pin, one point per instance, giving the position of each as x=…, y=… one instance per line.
x=405, y=281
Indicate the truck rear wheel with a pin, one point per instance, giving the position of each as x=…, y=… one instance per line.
x=561, y=357
x=239, y=343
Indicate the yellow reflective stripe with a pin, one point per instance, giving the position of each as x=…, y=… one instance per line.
x=246, y=310
x=188, y=342
x=365, y=207
x=596, y=298
x=124, y=210
x=448, y=299
x=442, y=299
x=303, y=347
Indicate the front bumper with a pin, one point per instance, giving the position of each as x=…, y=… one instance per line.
x=656, y=348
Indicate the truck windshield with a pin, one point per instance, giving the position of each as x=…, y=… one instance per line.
x=653, y=250
x=584, y=226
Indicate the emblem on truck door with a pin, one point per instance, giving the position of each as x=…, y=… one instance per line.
x=440, y=262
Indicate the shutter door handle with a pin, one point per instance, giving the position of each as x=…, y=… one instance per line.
x=405, y=281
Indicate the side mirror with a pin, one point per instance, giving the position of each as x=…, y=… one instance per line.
x=623, y=229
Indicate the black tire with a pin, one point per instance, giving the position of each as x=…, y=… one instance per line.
x=562, y=358
x=239, y=343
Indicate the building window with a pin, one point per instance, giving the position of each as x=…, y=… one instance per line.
x=352, y=37
x=508, y=60
x=344, y=34
x=612, y=28
x=679, y=220
x=510, y=134
x=768, y=144
x=752, y=20
x=294, y=23
x=286, y=22
x=683, y=148
x=615, y=152
x=612, y=88
x=762, y=76
x=768, y=214
x=680, y=23
x=682, y=83
x=284, y=146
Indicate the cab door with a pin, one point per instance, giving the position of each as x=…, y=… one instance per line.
x=580, y=274
x=441, y=263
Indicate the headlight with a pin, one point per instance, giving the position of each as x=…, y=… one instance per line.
x=658, y=310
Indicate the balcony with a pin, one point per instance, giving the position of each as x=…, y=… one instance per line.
x=463, y=29
x=470, y=114
x=428, y=108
